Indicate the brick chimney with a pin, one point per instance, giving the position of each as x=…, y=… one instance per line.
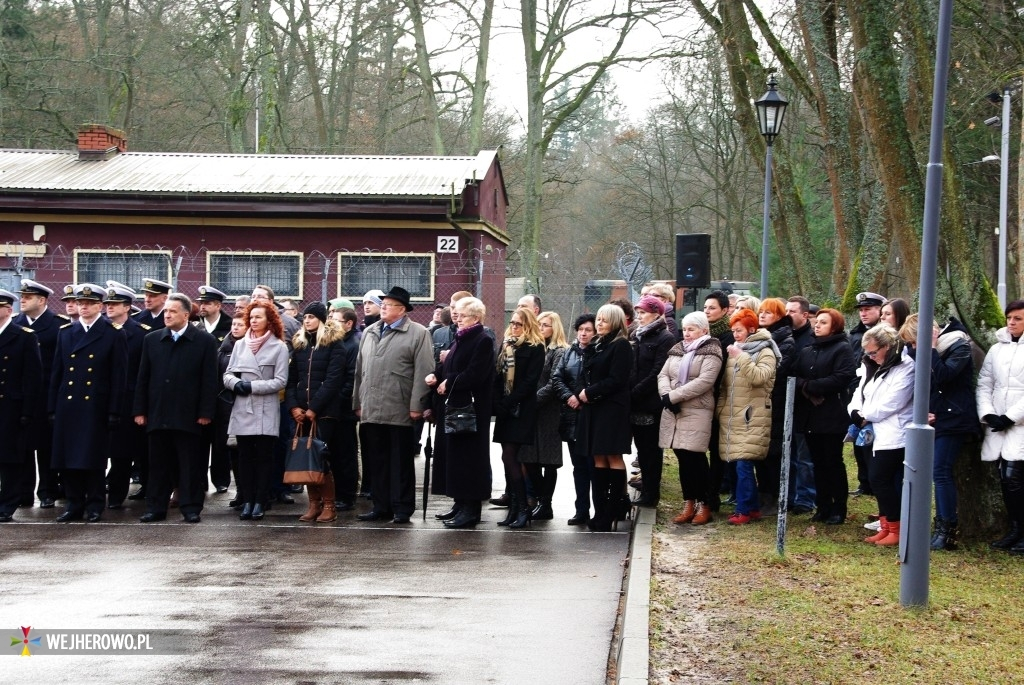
x=99, y=142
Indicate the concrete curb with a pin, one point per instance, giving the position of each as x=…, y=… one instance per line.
x=632, y=657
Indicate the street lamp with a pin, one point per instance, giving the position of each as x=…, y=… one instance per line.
x=1004, y=176
x=771, y=109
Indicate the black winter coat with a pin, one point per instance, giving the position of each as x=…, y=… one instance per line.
x=824, y=370
x=178, y=381
x=603, y=426
x=649, y=353
x=952, y=398
x=315, y=373
x=516, y=413
x=566, y=383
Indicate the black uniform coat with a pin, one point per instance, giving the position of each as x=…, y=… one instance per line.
x=521, y=400
x=220, y=331
x=469, y=374
x=46, y=328
x=603, y=426
x=154, y=322
x=178, y=381
x=87, y=387
x=21, y=383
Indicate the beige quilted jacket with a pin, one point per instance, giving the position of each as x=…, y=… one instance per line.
x=745, y=402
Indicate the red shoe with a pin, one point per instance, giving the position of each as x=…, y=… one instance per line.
x=739, y=519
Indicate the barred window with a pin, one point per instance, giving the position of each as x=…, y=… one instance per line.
x=237, y=273
x=359, y=272
x=130, y=267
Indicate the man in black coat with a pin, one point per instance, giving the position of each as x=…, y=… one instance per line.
x=39, y=445
x=128, y=441
x=175, y=397
x=21, y=382
x=801, y=473
x=214, y=321
x=87, y=391
x=155, y=296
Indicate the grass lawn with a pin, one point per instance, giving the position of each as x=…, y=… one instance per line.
x=828, y=611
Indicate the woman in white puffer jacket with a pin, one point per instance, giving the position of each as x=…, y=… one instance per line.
x=885, y=400
x=1000, y=396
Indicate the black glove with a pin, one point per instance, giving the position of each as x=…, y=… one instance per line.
x=113, y=421
x=1002, y=423
x=857, y=419
x=25, y=420
x=243, y=388
x=990, y=420
x=666, y=402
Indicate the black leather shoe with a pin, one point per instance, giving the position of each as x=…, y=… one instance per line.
x=285, y=498
x=47, y=503
x=139, y=494
x=69, y=516
x=464, y=519
x=27, y=503
x=341, y=505
x=835, y=520
x=93, y=516
x=221, y=489
x=296, y=488
x=115, y=505
x=257, y=512
x=800, y=509
x=150, y=517
x=374, y=515
x=401, y=518
x=236, y=502
x=579, y=520
x=246, y=512
x=450, y=514
x=6, y=518
x=542, y=512
x=502, y=501
x=192, y=518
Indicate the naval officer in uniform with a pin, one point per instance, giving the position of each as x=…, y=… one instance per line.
x=87, y=395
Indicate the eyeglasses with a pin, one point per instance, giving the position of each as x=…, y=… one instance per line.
x=872, y=353
x=515, y=324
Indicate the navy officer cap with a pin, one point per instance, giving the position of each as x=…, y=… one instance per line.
x=34, y=288
x=69, y=292
x=867, y=299
x=119, y=293
x=7, y=297
x=89, y=291
x=155, y=287
x=207, y=293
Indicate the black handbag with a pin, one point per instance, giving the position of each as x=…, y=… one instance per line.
x=459, y=419
x=306, y=463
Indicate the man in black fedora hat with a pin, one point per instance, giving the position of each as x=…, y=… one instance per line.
x=390, y=395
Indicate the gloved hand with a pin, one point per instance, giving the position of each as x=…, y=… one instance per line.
x=666, y=402
x=1001, y=423
x=243, y=388
x=113, y=421
x=857, y=419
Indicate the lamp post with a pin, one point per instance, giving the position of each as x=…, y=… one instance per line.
x=1004, y=177
x=771, y=108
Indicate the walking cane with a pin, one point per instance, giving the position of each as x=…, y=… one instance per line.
x=428, y=452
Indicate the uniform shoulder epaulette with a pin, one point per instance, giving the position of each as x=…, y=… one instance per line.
x=63, y=316
x=146, y=326
x=27, y=329
x=68, y=324
x=116, y=326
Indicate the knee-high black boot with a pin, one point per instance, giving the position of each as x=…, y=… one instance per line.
x=618, y=501
x=602, y=520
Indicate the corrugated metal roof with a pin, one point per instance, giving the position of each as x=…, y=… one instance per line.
x=224, y=174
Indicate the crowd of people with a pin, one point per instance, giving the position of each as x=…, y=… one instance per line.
x=180, y=396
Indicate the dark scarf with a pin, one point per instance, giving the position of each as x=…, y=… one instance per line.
x=719, y=328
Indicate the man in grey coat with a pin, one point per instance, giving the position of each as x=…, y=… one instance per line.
x=391, y=394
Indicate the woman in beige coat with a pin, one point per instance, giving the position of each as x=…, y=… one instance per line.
x=745, y=407
x=686, y=385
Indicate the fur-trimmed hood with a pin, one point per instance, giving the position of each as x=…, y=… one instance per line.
x=329, y=332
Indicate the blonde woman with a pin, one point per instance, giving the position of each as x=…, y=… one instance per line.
x=603, y=429
x=520, y=364
x=542, y=459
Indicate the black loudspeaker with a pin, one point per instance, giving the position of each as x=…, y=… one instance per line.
x=693, y=260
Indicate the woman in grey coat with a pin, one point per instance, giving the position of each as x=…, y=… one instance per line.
x=257, y=373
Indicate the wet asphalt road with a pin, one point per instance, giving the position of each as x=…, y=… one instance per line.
x=349, y=602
